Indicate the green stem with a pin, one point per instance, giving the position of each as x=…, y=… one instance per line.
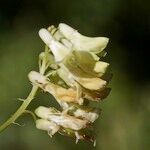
x=27, y=101
x=21, y=109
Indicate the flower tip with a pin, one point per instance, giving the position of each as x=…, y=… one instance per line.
x=45, y=36
x=31, y=76
x=105, y=40
x=98, y=43
x=42, y=112
x=46, y=125
x=36, y=77
x=101, y=67
x=42, y=124
x=66, y=30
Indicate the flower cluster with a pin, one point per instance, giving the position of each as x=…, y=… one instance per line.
x=75, y=76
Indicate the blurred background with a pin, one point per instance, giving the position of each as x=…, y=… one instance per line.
x=124, y=123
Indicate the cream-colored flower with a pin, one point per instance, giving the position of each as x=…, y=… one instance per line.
x=61, y=119
x=60, y=93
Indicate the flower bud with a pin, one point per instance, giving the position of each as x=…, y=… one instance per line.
x=44, y=112
x=45, y=36
x=36, y=77
x=59, y=50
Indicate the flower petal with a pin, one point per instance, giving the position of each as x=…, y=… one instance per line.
x=101, y=67
x=59, y=50
x=67, y=121
x=92, y=83
x=96, y=95
x=46, y=125
x=80, y=42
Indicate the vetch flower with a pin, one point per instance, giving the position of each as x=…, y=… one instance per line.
x=60, y=93
x=83, y=43
x=61, y=119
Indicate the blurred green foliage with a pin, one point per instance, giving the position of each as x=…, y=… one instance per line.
x=124, y=123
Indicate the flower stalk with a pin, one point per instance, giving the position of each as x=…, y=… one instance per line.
x=21, y=109
x=26, y=101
